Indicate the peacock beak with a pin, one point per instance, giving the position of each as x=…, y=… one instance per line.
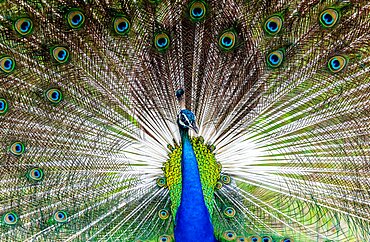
x=195, y=128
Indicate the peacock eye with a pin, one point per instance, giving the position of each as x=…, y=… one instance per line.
x=240, y=239
x=266, y=239
x=161, y=41
x=273, y=25
x=3, y=106
x=275, y=58
x=254, y=239
x=10, y=218
x=23, y=26
x=197, y=11
x=229, y=212
x=163, y=214
x=164, y=238
x=161, y=182
x=329, y=17
x=7, y=64
x=227, y=40
x=75, y=19
x=60, y=216
x=36, y=174
x=54, y=95
x=226, y=179
x=17, y=148
x=229, y=235
x=337, y=63
x=60, y=54
x=287, y=240
x=121, y=25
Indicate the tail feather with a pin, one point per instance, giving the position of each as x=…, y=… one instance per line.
x=294, y=139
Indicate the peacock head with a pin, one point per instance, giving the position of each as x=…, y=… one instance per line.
x=186, y=121
x=186, y=118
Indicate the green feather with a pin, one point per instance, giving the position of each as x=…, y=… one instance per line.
x=88, y=131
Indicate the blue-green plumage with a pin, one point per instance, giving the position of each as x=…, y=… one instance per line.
x=87, y=117
x=193, y=220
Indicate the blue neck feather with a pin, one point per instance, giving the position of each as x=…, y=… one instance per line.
x=193, y=221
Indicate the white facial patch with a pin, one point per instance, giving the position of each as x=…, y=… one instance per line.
x=184, y=120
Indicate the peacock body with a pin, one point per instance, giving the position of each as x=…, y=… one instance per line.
x=100, y=142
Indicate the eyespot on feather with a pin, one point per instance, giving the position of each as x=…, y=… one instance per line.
x=229, y=212
x=275, y=58
x=241, y=239
x=7, y=64
x=10, y=218
x=23, y=26
x=60, y=216
x=197, y=11
x=165, y=238
x=227, y=40
x=287, y=240
x=121, y=25
x=54, y=95
x=329, y=17
x=273, y=25
x=163, y=214
x=161, y=182
x=266, y=239
x=3, y=106
x=60, y=54
x=75, y=18
x=254, y=238
x=229, y=235
x=17, y=148
x=226, y=179
x=161, y=42
x=35, y=174
x=337, y=63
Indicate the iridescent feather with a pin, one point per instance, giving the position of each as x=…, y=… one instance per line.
x=90, y=147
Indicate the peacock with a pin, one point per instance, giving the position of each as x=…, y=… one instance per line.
x=185, y=120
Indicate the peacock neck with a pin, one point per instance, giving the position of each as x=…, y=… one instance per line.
x=193, y=221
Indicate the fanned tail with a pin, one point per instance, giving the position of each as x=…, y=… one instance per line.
x=87, y=109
